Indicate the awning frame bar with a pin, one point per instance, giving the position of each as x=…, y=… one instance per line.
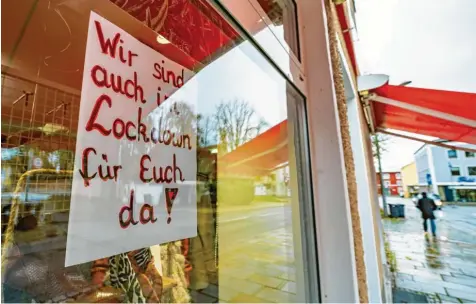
x=429, y=142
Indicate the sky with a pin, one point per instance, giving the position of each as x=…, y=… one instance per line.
x=429, y=42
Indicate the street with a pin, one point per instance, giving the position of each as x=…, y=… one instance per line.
x=443, y=268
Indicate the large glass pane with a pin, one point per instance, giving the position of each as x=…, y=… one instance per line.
x=206, y=197
x=273, y=25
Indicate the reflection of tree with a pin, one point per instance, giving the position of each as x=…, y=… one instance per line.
x=205, y=130
x=236, y=122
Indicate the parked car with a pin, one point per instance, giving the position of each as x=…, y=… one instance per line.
x=434, y=197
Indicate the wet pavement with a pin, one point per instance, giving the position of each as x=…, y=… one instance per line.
x=444, y=268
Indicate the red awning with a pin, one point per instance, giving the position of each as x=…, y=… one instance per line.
x=261, y=154
x=443, y=114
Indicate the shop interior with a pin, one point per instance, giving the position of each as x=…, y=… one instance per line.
x=43, y=50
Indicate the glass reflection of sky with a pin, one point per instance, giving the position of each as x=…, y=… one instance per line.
x=243, y=74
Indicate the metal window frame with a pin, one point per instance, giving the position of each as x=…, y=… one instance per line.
x=303, y=164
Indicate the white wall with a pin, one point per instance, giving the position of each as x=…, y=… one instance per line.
x=337, y=269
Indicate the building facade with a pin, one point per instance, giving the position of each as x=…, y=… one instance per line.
x=449, y=173
x=392, y=183
x=109, y=108
x=410, y=180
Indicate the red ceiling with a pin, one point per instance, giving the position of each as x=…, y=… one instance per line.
x=193, y=26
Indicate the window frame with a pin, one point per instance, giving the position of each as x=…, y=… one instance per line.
x=452, y=150
x=295, y=58
x=308, y=220
x=471, y=168
x=468, y=154
x=453, y=168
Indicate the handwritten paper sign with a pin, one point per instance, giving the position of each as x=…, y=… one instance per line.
x=134, y=182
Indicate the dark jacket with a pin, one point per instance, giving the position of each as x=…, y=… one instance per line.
x=426, y=206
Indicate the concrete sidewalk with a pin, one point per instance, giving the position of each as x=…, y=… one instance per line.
x=443, y=268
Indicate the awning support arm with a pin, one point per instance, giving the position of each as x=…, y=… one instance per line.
x=429, y=142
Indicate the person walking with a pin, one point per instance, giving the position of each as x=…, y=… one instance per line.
x=427, y=206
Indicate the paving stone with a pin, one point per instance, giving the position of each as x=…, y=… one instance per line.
x=420, y=272
x=267, y=281
x=245, y=298
x=287, y=269
x=435, y=271
x=198, y=297
x=276, y=296
x=211, y=290
x=404, y=276
x=240, y=273
x=463, y=295
x=462, y=275
x=462, y=280
x=445, y=284
x=420, y=287
x=288, y=276
x=270, y=271
x=239, y=285
x=408, y=264
x=225, y=294
x=405, y=296
x=446, y=299
x=289, y=287
x=469, y=271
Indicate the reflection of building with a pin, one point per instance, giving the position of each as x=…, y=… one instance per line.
x=450, y=173
x=410, y=179
x=392, y=183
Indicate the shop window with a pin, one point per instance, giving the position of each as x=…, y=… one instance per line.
x=469, y=154
x=153, y=163
x=472, y=171
x=452, y=154
x=455, y=171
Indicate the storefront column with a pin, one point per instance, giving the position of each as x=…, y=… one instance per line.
x=337, y=267
x=366, y=190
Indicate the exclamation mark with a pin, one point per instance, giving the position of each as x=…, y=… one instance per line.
x=170, y=195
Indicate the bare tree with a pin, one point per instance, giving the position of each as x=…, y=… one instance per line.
x=205, y=130
x=236, y=122
x=379, y=145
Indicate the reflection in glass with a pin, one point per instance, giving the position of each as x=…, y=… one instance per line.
x=247, y=190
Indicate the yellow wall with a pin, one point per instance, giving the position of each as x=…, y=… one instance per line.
x=409, y=177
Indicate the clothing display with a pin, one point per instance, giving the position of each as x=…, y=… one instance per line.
x=133, y=273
